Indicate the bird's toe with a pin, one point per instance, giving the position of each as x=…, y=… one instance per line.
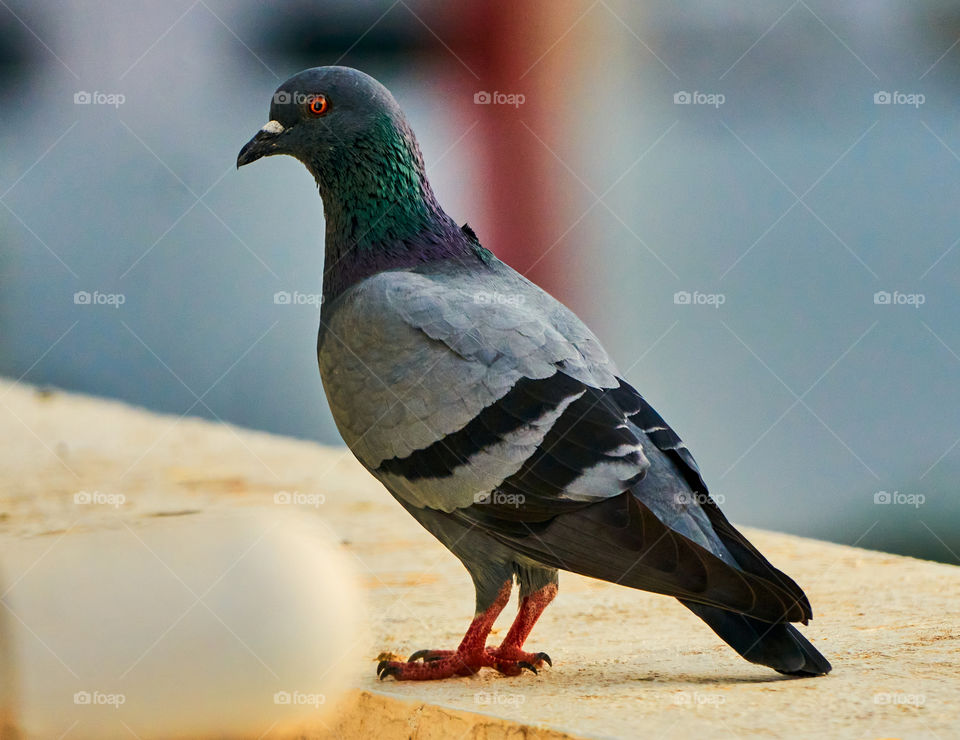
x=511, y=654
x=388, y=668
x=429, y=655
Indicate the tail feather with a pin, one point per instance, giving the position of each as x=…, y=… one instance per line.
x=750, y=558
x=777, y=645
x=622, y=541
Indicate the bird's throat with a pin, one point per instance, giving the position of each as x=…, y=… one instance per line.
x=380, y=213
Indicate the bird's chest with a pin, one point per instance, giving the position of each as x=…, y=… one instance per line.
x=390, y=389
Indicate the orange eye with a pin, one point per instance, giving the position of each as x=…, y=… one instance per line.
x=318, y=105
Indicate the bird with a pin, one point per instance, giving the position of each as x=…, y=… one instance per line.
x=493, y=415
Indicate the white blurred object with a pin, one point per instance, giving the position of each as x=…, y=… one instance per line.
x=227, y=625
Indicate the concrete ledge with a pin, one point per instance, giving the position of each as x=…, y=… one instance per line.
x=626, y=663
x=375, y=715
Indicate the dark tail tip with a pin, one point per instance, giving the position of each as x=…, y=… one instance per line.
x=778, y=646
x=814, y=664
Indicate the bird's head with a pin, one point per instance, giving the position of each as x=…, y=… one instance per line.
x=353, y=138
x=343, y=125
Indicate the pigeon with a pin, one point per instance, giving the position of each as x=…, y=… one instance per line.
x=493, y=415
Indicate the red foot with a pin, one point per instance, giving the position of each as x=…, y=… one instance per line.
x=507, y=654
x=452, y=663
x=447, y=663
x=472, y=655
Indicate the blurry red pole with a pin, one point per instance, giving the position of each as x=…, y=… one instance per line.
x=526, y=203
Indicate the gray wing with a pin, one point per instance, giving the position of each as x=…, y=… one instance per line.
x=448, y=384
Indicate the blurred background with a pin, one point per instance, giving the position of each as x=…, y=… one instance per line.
x=754, y=205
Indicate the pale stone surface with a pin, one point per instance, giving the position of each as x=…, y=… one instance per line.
x=626, y=663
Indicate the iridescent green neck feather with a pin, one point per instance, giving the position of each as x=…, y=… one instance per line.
x=379, y=208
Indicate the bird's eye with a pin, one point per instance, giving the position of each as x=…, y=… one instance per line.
x=318, y=105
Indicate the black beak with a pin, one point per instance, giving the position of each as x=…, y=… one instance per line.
x=262, y=145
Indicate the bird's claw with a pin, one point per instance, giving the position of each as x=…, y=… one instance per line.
x=545, y=658
x=529, y=666
x=387, y=668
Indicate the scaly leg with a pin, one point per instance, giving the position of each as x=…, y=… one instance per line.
x=531, y=607
x=472, y=653
x=469, y=657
